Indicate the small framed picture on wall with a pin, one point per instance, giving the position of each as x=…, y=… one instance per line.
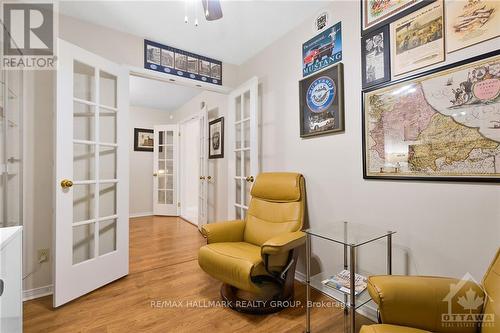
x=216, y=138
x=143, y=139
x=322, y=102
x=375, y=57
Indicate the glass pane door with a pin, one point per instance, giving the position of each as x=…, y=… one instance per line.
x=95, y=182
x=165, y=170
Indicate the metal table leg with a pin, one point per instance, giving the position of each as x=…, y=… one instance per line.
x=308, y=287
x=389, y=254
x=353, y=284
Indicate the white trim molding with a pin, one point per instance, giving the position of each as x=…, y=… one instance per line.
x=140, y=214
x=37, y=292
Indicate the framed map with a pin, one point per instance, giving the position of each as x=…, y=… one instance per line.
x=440, y=125
x=471, y=22
x=374, y=13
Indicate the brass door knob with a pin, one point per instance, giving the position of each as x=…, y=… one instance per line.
x=250, y=179
x=209, y=177
x=202, y=177
x=66, y=183
x=155, y=174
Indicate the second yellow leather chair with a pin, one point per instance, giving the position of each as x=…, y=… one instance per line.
x=419, y=304
x=258, y=254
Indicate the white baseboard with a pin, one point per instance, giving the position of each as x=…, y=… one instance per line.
x=366, y=310
x=133, y=215
x=37, y=292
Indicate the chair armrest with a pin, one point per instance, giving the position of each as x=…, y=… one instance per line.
x=228, y=231
x=419, y=301
x=283, y=243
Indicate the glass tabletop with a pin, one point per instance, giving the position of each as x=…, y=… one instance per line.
x=348, y=233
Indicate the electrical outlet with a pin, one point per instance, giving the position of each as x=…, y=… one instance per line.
x=43, y=255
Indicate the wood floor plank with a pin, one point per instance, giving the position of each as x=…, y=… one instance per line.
x=164, y=268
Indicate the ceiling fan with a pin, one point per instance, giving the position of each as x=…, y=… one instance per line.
x=213, y=10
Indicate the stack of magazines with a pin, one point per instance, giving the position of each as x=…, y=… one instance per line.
x=342, y=282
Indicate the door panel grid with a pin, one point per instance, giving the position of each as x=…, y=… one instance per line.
x=94, y=163
x=244, y=164
x=165, y=170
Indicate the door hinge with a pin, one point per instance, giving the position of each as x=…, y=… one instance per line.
x=178, y=204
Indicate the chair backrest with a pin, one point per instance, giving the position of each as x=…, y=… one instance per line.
x=277, y=206
x=491, y=285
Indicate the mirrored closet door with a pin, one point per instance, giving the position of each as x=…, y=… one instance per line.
x=11, y=144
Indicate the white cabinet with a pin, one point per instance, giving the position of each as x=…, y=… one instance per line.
x=11, y=306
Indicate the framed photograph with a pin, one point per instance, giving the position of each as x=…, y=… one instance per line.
x=153, y=54
x=205, y=68
x=215, y=71
x=375, y=13
x=216, y=138
x=143, y=139
x=417, y=40
x=322, y=102
x=323, y=50
x=442, y=125
x=471, y=22
x=167, y=58
x=181, y=61
x=375, y=57
x=192, y=65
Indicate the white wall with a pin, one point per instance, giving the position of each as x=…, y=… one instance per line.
x=141, y=162
x=443, y=228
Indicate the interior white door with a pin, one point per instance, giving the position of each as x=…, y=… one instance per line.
x=204, y=176
x=92, y=185
x=190, y=169
x=244, y=163
x=165, y=170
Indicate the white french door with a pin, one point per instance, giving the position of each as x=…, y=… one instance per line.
x=244, y=163
x=165, y=172
x=204, y=176
x=92, y=186
x=190, y=169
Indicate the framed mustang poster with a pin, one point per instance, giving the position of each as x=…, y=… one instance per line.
x=440, y=125
x=323, y=50
x=322, y=103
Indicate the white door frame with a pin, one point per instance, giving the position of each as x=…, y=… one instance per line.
x=74, y=280
x=165, y=209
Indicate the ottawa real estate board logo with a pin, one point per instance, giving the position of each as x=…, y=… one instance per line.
x=28, y=38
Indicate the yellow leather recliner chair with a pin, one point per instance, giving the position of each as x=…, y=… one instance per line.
x=419, y=304
x=257, y=256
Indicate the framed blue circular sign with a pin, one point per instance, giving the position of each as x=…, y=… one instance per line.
x=320, y=94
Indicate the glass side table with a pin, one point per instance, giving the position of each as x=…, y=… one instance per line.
x=351, y=236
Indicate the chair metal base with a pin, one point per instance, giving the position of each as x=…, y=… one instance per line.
x=254, y=305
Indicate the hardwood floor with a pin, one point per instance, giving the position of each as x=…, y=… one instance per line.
x=164, y=269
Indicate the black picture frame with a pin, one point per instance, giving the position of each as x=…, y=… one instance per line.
x=386, y=54
x=211, y=124
x=330, y=116
x=396, y=16
x=461, y=179
x=137, y=146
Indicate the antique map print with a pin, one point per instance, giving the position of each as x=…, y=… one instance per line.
x=470, y=22
x=442, y=125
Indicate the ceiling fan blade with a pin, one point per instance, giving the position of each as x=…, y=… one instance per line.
x=212, y=9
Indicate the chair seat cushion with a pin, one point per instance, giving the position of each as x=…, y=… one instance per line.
x=233, y=263
x=383, y=328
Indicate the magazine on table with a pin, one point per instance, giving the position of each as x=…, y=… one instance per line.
x=342, y=282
